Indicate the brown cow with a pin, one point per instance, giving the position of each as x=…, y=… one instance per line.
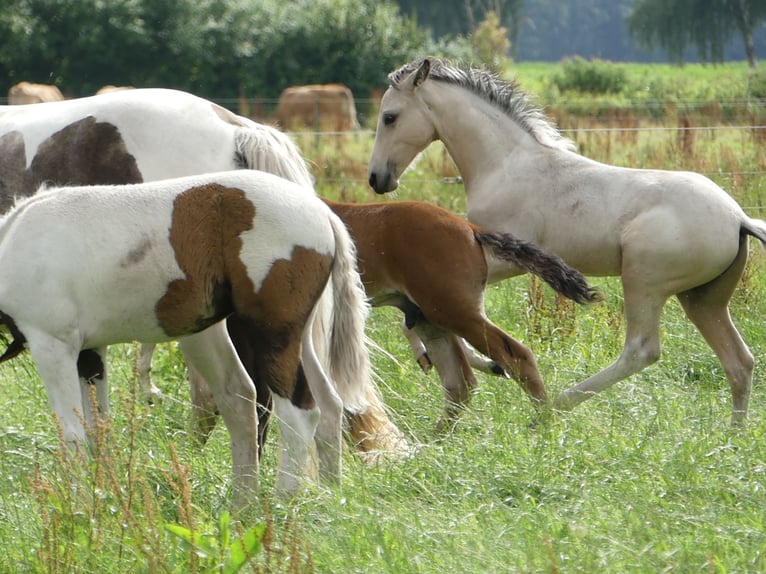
x=327, y=107
x=28, y=93
x=110, y=88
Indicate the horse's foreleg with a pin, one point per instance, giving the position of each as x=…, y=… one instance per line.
x=152, y=394
x=212, y=355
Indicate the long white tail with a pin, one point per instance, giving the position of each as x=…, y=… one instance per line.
x=348, y=354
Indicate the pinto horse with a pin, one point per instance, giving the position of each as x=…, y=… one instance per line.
x=143, y=135
x=87, y=267
x=665, y=233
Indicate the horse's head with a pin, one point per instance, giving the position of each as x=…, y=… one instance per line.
x=404, y=127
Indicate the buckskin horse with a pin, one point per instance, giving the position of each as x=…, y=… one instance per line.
x=665, y=233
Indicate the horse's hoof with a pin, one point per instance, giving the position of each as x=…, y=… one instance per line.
x=425, y=363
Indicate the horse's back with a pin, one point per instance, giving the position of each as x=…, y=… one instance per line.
x=110, y=255
x=165, y=133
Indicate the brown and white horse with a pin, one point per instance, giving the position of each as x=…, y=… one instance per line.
x=87, y=267
x=145, y=135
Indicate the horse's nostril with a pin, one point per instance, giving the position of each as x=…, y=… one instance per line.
x=373, y=180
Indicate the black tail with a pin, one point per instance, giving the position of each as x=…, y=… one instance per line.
x=550, y=268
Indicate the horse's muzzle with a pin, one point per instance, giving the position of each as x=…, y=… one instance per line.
x=382, y=184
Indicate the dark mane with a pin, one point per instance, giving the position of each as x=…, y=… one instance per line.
x=505, y=95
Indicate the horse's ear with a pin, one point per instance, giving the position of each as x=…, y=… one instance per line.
x=422, y=73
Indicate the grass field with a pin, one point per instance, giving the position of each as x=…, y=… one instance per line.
x=647, y=477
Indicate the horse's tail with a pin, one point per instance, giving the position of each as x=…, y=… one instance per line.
x=348, y=355
x=550, y=268
x=756, y=228
x=370, y=428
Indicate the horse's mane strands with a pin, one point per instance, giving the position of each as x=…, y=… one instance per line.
x=507, y=96
x=268, y=149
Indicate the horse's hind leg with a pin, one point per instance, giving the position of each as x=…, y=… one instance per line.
x=151, y=393
x=516, y=359
x=211, y=353
x=329, y=431
x=707, y=306
x=56, y=363
x=91, y=366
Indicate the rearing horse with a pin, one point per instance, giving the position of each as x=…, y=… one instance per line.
x=665, y=233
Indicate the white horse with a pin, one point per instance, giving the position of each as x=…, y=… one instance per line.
x=142, y=135
x=87, y=267
x=665, y=233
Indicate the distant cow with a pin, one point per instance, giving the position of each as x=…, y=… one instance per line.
x=28, y=93
x=328, y=107
x=110, y=88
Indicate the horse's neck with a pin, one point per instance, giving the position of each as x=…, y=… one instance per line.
x=478, y=136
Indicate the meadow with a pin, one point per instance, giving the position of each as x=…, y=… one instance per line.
x=646, y=477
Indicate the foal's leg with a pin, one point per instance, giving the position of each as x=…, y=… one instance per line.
x=212, y=354
x=204, y=410
x=418, y=348
x=329, y=431
x=643, y=308
x=707, y=307
x=152, y=394
x=476, y=360
x=513, y=357
x=481, y=362
x=458, y=380
x=91, y=367
x=56, y=363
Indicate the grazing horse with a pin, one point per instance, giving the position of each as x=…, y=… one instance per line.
x=87, y=267
x=143, y=135
x=665, y=233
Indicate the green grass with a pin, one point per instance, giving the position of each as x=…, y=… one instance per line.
x=646, y=477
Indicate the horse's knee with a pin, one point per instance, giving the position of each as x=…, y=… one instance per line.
x=641, y=354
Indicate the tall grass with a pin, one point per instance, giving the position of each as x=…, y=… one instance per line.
x=646, y=477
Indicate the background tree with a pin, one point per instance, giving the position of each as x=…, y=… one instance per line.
x=705, y=25
x=221, y=49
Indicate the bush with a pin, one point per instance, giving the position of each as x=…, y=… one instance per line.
x=591, y=77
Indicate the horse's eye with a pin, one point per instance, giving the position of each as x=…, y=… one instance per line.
x=389, y=118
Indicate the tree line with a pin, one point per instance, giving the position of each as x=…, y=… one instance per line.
x=213, y=48
x=227, y=49
x=623, y=30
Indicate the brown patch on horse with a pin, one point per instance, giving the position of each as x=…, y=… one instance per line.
x=85, y=152
x=278, y=313
x=206, y=224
